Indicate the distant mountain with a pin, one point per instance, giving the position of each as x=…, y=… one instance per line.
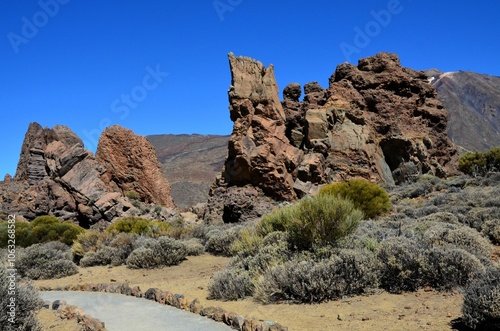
x=190, y=163
x=473, y=104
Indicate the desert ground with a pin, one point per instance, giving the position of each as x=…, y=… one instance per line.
x=422, y=310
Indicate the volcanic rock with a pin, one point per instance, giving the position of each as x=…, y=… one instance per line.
x=56, y=175
x=377, y=121
x=132, y=165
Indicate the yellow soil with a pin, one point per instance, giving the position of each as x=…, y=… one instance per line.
x=410, y=311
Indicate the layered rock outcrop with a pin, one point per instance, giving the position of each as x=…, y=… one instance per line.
x=376, y=120
x=57, y=175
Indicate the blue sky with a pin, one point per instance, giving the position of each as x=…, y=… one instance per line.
x=158, y=66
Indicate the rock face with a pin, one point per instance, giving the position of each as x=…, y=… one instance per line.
x=473, y=102
x=56, y=175
x=377, y=121
x=131, y=165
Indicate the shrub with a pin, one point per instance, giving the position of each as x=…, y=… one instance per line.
x=320, y=220
x=481, y=306
x=42, y=229
x=370, y=198
x=230, y=284
x=480, y=163
x=45, y=261
x=348, y=273
x=403, y=265
x=448, y=268
x=220, y=241
x=458, y=236
x=133, y=195
x=89, y=241
x=163, y=251
x=27, y=302
x=194, y=247
x=139, y=226
x=113, y=253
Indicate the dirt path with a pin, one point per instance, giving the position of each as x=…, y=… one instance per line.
x=411, y=311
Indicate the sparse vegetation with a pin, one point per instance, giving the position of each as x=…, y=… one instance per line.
x=133, y=195
x=480, y=163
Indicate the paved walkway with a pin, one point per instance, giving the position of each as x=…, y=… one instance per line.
x=124, y=313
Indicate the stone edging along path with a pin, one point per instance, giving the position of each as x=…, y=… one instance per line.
x=69, y=312
x=218, y=314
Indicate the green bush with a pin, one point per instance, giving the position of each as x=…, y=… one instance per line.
x=45, y=261
x=163, y=251
x=230, y=284
x=133, y=195
x=27, y=303
x=140, y=226
x=320, y=220
x=480, y=163
x=42, y=229
x=89, y=241
x=481, y=306
x=370, y=198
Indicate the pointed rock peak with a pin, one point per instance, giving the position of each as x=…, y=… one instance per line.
x=131, y=164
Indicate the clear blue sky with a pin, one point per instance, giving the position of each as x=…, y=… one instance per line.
x=158, y=66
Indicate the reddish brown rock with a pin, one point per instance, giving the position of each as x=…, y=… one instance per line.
x=377, y=121
x=132, y=165
x=56, y=175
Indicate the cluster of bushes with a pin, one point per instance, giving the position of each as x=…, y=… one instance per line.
x=45, y=261
x=27, y=302
x=480, y=163
x=42, y=229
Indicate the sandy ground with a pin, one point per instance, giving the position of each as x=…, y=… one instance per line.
x=423, y=310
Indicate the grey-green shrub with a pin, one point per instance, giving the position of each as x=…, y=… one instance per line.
x=220, y=241
x=46, y=261
x=230, y=284
x=403, y=264
x=27, y=302
x=305, y=280
x=481, y=306
x=449, y=268
x=163, y=251
x=194, y=247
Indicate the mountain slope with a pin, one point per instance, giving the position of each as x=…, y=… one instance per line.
x=190, y=163
x=473, y=103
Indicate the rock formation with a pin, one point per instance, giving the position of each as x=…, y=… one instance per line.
x=56, y=175
x=131, y=165
x=377, y=121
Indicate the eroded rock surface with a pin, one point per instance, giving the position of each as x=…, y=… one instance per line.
x=56, y=175
x=376, y=120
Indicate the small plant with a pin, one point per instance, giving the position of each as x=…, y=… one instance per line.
x=194, y=247
x=133, y=195
x=230, y=284
x=481, y=307
x=370, y=198
x=220, y=241
x=46, y=261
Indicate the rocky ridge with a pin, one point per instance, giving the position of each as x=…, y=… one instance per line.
x=376, y=120
x=57, y=175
